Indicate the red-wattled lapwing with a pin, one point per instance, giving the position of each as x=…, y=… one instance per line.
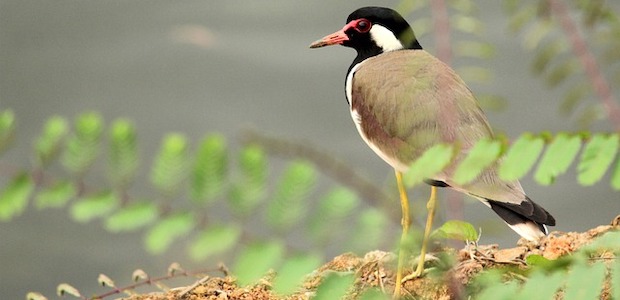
x=403, y=100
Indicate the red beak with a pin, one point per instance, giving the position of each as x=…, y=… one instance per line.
x=337, y=37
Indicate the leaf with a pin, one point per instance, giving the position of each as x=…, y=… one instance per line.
x=14, y=197
x=585, y=281
x=521, y=157
x=560, y=72
x=573, y=96
x=104, y=280
x=250, y=190
x=139, y=274
x=210, y=169
x=541, y=285
x=499, y=291
x=598, y=154
x=94, y=206
x=546, y=54
x=333, y=208
x=123, y=162
x=557, y=158
x=162, y=234
x=170, y=165
x=432, y=161
x=474, y=49
x=457, y=230
x=215, y=239
x=56, y=195
x=537, y=33
x=48, y=144
x=374, y=294
x=525, y=15
x=35, y=296
x=370, y=226
x=256, y=259
x=480, y=156
x=467, y=24
x=132, y=216
x=83, y=146
x=334, y=286
x=294, y=270
x=7, y=128
x=289, y=201
x=615, y=279
x=615, y=177
x=66, y=289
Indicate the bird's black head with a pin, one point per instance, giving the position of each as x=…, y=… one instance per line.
x=371, y=31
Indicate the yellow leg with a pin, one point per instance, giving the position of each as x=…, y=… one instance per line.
x=430, y=206
x=405, y=222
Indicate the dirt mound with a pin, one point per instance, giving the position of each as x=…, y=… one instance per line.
x=376, y=269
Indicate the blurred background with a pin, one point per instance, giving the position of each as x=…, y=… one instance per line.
x=196, y=67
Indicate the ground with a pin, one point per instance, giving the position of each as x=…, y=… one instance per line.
x=376, y=269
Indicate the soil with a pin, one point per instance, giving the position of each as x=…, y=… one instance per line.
x=376, y=269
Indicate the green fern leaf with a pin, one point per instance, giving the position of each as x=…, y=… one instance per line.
x=14, y=197
x=480, y=156
x=598, y=154
x=456, y=230
x=560, y=72
x=374, y=294
x=615, y=279
x=467, y=24
x=541, y=285
x=94, y=206
x=546, y=54
x=334, y=286
x=35, y=296
x=474, y=49
x=585, y=281
x=521, y=157
x=432, y=161
x=537, y=33
x=83, y=146
x=522, y=17
x=289, y=202
x=292, y=273
x=163, y=233
x=170, y=165
x=370, y=231
x=246, y=194
x=48, y=144
x=214, y=240
x=210, y=169
x=573, y=96
x=557, y=158
x=499, y=291
x=56, y=195
x=7, y=128
x=132, y=216
x=330, y=215
x=123, y=161
x=256, y=259
x=615, y=177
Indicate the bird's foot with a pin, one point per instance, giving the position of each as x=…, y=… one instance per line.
x=420, y=270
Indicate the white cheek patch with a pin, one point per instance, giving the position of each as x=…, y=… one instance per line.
x=385, y=38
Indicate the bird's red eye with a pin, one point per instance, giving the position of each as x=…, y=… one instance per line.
x=363, y=25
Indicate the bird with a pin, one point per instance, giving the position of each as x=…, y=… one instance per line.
x=403, y=100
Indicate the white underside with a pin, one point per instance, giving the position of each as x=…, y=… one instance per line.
x=357, y=120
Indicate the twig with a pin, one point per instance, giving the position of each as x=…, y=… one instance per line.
x=441, y=23
x=588, y=62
